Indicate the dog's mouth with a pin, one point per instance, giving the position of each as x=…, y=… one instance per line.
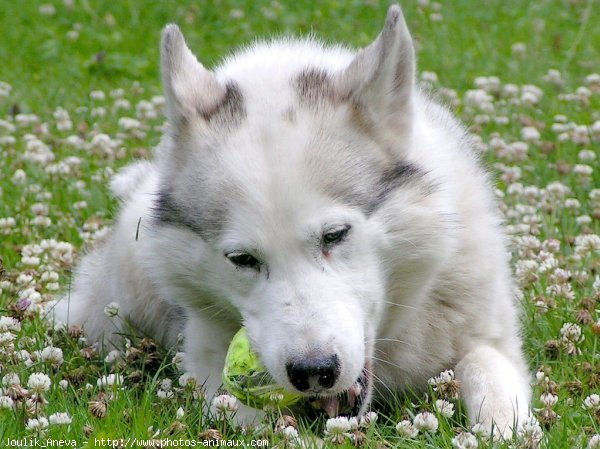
x=351, y=402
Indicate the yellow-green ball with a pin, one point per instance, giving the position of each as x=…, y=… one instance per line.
x=245, y=377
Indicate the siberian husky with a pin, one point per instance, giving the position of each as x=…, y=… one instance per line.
x=315, y=195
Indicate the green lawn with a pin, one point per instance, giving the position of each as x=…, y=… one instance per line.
x=80, y=97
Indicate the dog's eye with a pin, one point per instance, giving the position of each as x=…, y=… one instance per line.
x=243, y=260
x=333, y=237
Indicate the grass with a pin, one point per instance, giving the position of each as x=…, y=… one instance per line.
x=551, y=200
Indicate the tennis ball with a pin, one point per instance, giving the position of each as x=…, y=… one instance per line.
x=245, y=377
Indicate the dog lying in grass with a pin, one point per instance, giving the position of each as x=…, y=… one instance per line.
x=316, y=196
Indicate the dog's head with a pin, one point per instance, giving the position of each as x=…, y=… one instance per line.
x=289, y=200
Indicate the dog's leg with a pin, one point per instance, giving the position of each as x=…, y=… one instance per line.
x=206, y=344
x=494, y=389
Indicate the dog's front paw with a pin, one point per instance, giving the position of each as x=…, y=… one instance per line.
x=495, y=391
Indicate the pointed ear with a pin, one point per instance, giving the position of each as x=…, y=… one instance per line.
x=190, y=89
x=382, y=76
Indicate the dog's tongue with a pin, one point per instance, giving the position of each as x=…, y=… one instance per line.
x=330, y=406
x=333, y=407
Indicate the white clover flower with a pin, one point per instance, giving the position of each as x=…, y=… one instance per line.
x=64, y=384
x=530, y=134
x=540, y=377
x=24, y=120
x=554, y=77
x=586, y=155
x=236, y=13
x=549, y=263
x=511, y=174
x=97, y=95
x=426, y=422
x=8, y=324
x=465, y=440
x=571, y=331
x=166, y=384
x=7, y=222
x=445, y=384
x=110, y=380
x=510, y=90
x=180, y=413
x=593, y=79
x=481, y=430
x=165, y=395
x=548, y=399
x=104, y=145
x=129, y=124
x=583, y=172
x=336, y=429
x=47, y=9
x=531, y=94
x=526, y=270
x=518, y=48
x=561, y=275
x=530, y=433
x=444, y=377
x=5, y=89
x=19, y=177
x=592, y=402
x=594, y=442
x=444, y=408
x=6, y=402
x=225, y=404
x=37, y=425
x=61, y=419
x=11, y=379
x=488, y=83
x=52, y=355
x=406, y=429
x=368, y=419
x=291, y=434
x=561, y=290
x=49, y=276
x=587, y=244
x=39, y=383
x=187, y=379
x=583, y=220
x=430, y=77
x=111, y=310
x=121, y=103
x=516, y=151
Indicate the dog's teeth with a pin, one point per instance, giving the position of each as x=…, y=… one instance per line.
x=331, y=406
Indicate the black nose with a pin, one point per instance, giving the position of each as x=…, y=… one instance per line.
x=314, y=374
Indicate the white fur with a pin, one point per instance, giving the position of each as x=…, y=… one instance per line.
x=421, y=284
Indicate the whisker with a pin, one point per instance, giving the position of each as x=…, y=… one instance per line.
x=406, y=306
x=387, y=362
x=382, y=383
x=393, y=340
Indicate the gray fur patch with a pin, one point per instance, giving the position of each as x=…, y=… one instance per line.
x=167, y=211
x=370, y=194
x=230, y=111
x=314, y=87
x=399, y=175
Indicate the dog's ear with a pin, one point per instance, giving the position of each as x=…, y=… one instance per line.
x=382, y=76
x=190, y=89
